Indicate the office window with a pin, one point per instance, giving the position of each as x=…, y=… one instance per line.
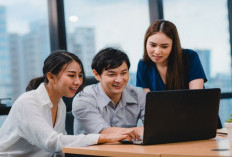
x=93, y=25
x=204, y=27
x=24, y=44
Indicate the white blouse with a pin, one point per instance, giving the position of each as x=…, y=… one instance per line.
x=28, y=129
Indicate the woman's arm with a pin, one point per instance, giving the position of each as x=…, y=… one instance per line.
x=113, y=137
x=196, y=74
x=146, y=90
x=129, y=133
x=196, y=84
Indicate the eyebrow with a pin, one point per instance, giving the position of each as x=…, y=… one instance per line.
x=74, y=72
x=156, y=43
x=165, y=44
x=110, y=71
x=125, y=70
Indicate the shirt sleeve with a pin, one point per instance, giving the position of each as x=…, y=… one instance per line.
x=141, y=79
x=34, y=128
x=196, y=70
x=87, y=115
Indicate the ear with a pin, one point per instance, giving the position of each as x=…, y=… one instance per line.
x=96, y=75
x=50, y=77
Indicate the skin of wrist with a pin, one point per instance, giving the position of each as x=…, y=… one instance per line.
x=101, y=139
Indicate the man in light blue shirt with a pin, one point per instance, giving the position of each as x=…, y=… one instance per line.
x=112, y=105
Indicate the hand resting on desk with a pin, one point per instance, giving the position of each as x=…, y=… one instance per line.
x=111, y=138
x=132, y=133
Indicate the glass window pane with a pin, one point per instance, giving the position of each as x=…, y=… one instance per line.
x=204, y=28
x=225, y=110
x=24, y=44
x=93, y=25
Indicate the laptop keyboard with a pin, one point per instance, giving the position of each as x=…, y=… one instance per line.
x=137, y=141
x=134, y=141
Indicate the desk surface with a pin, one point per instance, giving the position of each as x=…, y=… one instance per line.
x=210, y=148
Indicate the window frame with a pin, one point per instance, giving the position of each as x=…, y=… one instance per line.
x=58, y=33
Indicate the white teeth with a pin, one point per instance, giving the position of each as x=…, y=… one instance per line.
x=117, y=85
x=73, y=88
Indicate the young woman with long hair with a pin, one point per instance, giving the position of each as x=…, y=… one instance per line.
x=165, y=65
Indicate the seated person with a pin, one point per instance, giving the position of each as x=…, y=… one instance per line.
x=35, y=125
x=112, y=105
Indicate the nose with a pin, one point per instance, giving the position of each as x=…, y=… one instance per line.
x=78, y=81
x=157, y=50
x=118, y=78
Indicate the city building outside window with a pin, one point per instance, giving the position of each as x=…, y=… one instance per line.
x=93, y=25
x=24, y=44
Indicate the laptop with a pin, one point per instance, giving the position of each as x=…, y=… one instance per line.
x=180, y=115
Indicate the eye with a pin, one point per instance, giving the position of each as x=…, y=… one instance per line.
x=71, y=75
x=111, y=75
x=80, y=75
x=153, y=45
x=124, y=73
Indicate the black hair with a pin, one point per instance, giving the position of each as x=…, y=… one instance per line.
x=54, y=63
x=109, y=58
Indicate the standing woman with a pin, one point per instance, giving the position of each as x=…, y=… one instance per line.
x=165, y=65
x=35, y=125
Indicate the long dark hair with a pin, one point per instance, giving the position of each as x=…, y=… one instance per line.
x=54, y=63
x=175, y=77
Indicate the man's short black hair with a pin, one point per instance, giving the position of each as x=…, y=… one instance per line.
x=109, y=58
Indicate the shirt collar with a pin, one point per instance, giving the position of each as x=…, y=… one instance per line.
x=43, y=95
x=103, y=99
x=127, y=97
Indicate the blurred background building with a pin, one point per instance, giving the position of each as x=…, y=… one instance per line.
x=30, y=30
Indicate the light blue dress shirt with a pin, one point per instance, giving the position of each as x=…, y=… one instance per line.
x=94, y=111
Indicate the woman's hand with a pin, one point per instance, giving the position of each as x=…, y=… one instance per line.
x=111, y=138
x=114, y=134
x=120, y=131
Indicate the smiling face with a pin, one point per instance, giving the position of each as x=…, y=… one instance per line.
x=159, y=47
x=113, y=81
x=68, y=80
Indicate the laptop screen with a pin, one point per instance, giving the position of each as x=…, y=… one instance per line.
x=181, y=115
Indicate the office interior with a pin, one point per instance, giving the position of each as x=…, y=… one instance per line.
x=30, y=30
